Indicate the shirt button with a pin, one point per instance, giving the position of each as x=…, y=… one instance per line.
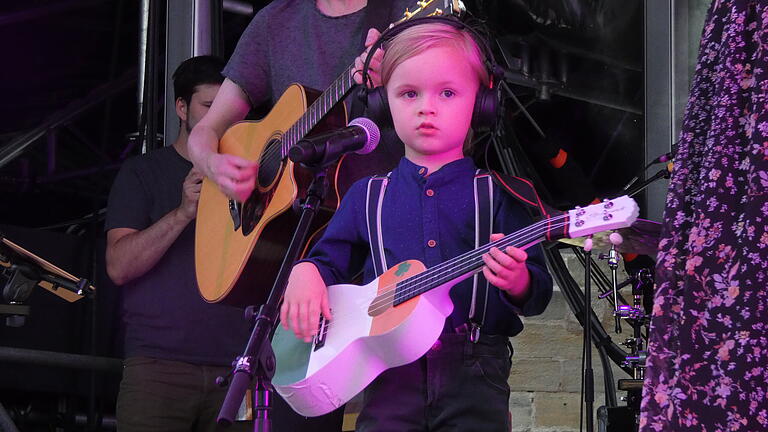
x=430, y=192
x=431, y=243
x=421, y=171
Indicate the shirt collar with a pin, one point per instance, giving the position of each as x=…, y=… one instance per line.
x=446, y=173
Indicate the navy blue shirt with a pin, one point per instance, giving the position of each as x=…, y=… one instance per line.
x=163, y=312
x=431, y=219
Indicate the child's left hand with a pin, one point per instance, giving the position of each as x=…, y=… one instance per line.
x=507, y=270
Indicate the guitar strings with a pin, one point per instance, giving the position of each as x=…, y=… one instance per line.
x=275, y=153
x=461, y=265
x=466, y=262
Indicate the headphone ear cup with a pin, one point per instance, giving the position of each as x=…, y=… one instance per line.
x=377, y=107
x=486, y=109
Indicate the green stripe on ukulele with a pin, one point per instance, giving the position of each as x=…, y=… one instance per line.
x=294, y=357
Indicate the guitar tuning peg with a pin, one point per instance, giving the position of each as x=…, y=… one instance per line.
x=616, y=238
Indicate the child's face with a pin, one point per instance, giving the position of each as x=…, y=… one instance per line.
x=431, y=96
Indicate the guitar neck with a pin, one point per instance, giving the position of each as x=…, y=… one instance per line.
x=472, y=261
x=319, y=108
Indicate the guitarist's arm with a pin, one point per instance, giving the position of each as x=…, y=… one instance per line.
x=235, y=176
x=131, y=253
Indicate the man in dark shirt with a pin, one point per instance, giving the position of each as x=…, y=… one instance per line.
x=176, y=344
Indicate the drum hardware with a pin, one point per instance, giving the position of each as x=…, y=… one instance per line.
x=613, y=258
x=637, y=362
x=626, y=311
x=638, y=318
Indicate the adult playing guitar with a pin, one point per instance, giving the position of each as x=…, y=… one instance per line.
x=240, y=246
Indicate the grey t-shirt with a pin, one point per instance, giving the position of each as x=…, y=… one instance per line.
x=291, y=41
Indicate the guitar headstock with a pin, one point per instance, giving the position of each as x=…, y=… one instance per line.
x=425, y=8
x=610, y=214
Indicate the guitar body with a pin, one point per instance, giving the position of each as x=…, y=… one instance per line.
x=367, y=336
x=238, y=266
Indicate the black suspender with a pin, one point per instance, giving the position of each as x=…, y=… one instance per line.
x=483, y=229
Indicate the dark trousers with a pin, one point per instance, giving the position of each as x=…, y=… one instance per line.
x=457, y=386
x=162, y=395
x=169, y=396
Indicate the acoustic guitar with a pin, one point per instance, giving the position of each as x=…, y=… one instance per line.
x=239, y=247
x=397, y=317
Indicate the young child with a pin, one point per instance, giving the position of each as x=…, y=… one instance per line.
x=431, y=73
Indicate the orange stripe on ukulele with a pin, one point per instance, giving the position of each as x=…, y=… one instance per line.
x=385, y=316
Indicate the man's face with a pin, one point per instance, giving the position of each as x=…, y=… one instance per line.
x=199, y=104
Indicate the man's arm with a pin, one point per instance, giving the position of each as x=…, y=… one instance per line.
x=234, y=175
x=132, y=253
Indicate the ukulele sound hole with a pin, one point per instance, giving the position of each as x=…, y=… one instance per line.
x=270, y=163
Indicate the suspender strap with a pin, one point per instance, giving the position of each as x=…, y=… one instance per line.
x=483, y=191
x=523, y=190
x=483, y=194
x=373, y=202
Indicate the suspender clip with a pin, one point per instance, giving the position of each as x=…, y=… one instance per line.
x=474, y=333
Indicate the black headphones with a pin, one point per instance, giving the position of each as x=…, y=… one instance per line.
x=485, y=111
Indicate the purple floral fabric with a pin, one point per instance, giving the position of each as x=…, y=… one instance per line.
x=708, y=345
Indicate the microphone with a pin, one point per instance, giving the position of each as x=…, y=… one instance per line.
x=360, y=136
x=666, y=157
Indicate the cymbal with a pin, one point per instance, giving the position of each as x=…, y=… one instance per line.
x=642, y=238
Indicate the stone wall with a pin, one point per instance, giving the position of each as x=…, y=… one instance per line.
x=546, y=366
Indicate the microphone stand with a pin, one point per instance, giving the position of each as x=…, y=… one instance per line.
x=258, y=359
x=589, y=379
x=662, y=173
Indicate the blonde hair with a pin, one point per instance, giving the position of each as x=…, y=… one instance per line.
x=419, y=38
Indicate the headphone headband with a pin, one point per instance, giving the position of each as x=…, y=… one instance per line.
x=485, y=111
x=390, y=33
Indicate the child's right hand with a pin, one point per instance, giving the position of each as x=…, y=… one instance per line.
x=306, y=296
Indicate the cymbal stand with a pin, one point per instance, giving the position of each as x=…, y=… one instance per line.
x=613, y=259
x=639, y=318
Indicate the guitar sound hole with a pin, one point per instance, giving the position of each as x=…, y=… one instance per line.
x=253, y=210
x=270, y=163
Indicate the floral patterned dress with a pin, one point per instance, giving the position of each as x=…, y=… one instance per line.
x=708, y=348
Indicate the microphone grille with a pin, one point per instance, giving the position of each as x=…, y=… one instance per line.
x=371, y=130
